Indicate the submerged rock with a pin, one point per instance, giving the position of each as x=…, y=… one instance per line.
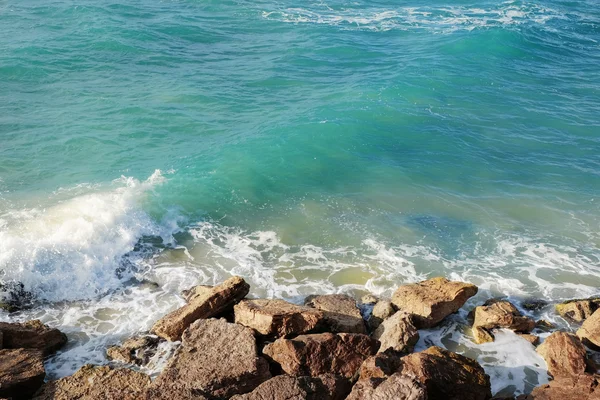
x=397, y=333
x=285, y=387
x=136, y=350
x=496, y=314
x=277, y=317
x=564, y=354
x=31, y=335
x=318, y=354
x=216, y=359
x=382, y=310
x=432, y=300
x=340, y=313
x=21, y=373
x=578, y=310
x=204, y=302
x=589, y=333
x=14, y=297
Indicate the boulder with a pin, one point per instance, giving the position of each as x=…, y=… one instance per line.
x=216, y=359
x=581, y=387
x=340, y=313
x=136, y=350
x=203, y=304
x=432, y=300
x=496, y=314
x=21, y=372
x=447, y=375
x=96, y=383
x=397, y=333
x=318, y=354
x=564, y=354
x=382, y=310
x=589, y=333
x=381, y=365
x=285, y=387
x=277, y=317
x=32, y=335
x=396, y=387
x=578, y=310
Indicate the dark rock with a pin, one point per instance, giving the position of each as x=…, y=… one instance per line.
x=381, y=365
x=21, y=372
x=14, y=297
x=32, y=335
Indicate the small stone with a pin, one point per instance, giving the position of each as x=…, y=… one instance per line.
x=340, y=313
x=564, y=354
x=397, y=333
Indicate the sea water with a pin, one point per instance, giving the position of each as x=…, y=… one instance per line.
x=310, y=147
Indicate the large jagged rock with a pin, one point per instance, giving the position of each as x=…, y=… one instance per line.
x=564, y=354
x=397, y=333
x=277, y=317
x=31, y=335
x=589, y=333
x=496, y=314
x=396, y=387
x=216, y=359
x=447, y=375
x=578, y=310
x=203, y=303
x=318, y=354
x=96, y=383
x=21, y=372
x=285, y=387
x=381, y=365
x=136, y=350
x=581, y=387
x=432, y=300
x=382, y=310
x=339, y=311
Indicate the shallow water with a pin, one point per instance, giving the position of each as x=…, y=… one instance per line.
x=310, y=147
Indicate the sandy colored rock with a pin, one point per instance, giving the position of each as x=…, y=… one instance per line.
x=578, y=310
x=340, y=313
x=533, y=339
x=496, y=314
x=382, y=310
x=397, y=333
x=203, y=304
x=589, y=333
x=447, y=375
x=96, y=383
x=396, y=387
x=369, y=299
x=216, y=359
x=432, y=300
x=21, y=372
x=318, y=354
x=564, y=354
x=136, y=350
x=481, y=335
x=581, y=387
x=32, y=335
x=277, y=317
x=381, y=365
x=285, y=387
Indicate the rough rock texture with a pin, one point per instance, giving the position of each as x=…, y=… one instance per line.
x=397, y=333
x=432, y=300
x=533, y=339
x=369, y=299
x=96, y=383
x=203, y=304
x=285, y=387
x=318, y=354
x=31, y=335
x=589, y=333
x=396, y=387
x=172, y=391
x=277, y=317
x=564, y=354
x=216, y=359
x=136, y=350
x=380, y=365
x=498, y=314
x=21, y=372
x=582, y=387
x=578, y=310
x=447, y=375
x=382, y=310
x=340, y=313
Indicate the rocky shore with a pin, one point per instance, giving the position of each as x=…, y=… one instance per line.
x=237, y=348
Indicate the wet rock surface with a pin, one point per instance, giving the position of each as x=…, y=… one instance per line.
x=496, y=314
x=32, y=335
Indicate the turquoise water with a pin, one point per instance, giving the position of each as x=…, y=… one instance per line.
x=309, y=146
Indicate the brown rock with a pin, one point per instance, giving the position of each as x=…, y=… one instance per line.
x=31, y=335
x=216, y=359
x=498, y=314
x=381, y=365
x=533, y=339
x=578, y=310
x=397, y=333
x=432, y=300
x=285, y=387
x=447, y=375
x=21, y=372
x=318, y=354
x=396, y=387
x=96, y=383
x=203, y=304
x=340, y=313
x=136, y=350
x=564, y=354
x=581, y=387
x=277, y=317
x=172, y=391
x=589, y=333
x=381, y=311
x=543, y=325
